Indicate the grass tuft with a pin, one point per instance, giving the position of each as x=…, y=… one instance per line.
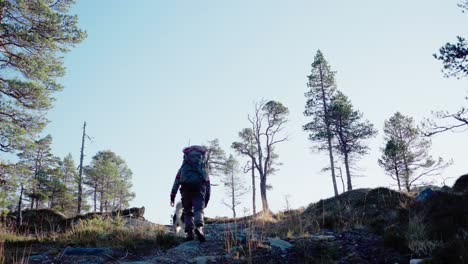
x=96, y=232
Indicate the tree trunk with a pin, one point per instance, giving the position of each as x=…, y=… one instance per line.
x=101, y=201
x=342, y=181
x=332, y=164
x=80, y=176
x=348, y=173
x=52, y=198
x=263, y=194
x=233, y=195
x=36, y=171
x=329, y=134
x=19, y=218
x=408, y=186
x=254, y=208
x=397, y=177
x=406, y=178
x=95, y=197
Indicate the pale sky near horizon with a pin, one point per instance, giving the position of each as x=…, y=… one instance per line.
x=153, y=75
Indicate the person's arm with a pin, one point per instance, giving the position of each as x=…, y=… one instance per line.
x=175, y=188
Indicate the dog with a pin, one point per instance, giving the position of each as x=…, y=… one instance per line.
x=178, y=220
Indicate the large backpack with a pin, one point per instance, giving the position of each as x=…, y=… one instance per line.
x=193, y=172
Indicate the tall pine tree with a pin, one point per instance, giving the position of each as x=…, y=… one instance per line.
x=350, y=131
x=322, y=87
x=34, y=35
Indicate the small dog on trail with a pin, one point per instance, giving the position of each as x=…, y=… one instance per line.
x=178, y=220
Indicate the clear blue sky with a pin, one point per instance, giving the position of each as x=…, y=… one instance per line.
x=153, y=74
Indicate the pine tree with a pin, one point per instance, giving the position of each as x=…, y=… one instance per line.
x=68, y=181
x=109, y=181
x=41, y=162
x=392, y=160
x=454, y=57
x=215, y=157
x=98, y=177
x=234, y=184
x=322, y=87
x=34, y=35
x=350, y=131
x=123, y=194
x=412, y=150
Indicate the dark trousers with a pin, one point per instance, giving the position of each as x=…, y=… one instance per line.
x=193, y=201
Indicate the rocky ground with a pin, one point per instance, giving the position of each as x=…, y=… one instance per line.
x=343, y=230
x=229, y=243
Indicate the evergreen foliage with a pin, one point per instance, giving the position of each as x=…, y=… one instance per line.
x=234, y=184
x=406, y=153
x=455, y=64
x=349, y=130
x=322, y=88
x=109, y=181
x=33, y=37
x=215, y=157
x=41, y=163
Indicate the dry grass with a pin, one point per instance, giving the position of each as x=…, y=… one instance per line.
x=97, y=232
x=286, y=224
x=418, y=239
x=371, y=208
x=110, y=232
x=243, y=243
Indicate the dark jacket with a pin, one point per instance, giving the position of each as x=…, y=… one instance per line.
x=176, y=185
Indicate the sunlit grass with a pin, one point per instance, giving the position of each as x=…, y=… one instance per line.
x=16, y=247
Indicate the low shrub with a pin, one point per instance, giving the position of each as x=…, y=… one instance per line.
x=419, y=240
x=454, y=252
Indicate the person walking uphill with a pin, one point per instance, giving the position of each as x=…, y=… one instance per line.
x=195, y=188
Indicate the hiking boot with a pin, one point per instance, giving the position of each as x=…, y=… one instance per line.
x=189, y=236
x=200, y=234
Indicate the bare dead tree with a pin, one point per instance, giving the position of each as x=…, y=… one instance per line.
x=80, y=175
x=258, y=143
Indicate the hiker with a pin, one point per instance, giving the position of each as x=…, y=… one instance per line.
x=195, y=188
